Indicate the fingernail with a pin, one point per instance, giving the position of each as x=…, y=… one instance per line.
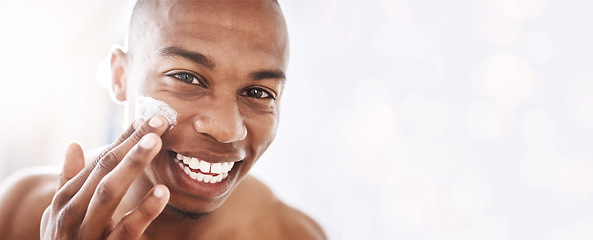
x=159, y=192
x=137, y=123
x=156, y=122
x=147, y=142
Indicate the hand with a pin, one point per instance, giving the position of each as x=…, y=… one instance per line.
x=87, y=197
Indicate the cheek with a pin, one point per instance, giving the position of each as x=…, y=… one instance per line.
x=261, y=131
x=155, y=172
x=186, y=110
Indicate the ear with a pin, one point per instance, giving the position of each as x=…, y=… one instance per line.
x=118, y=74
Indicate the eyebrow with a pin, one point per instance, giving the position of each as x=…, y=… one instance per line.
x=189, y=55
x=201, y=59
x=269, y=74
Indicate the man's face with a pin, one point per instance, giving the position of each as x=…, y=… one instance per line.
x=221, y=66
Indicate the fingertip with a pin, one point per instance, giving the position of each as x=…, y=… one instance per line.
x=73, y=145
x=73, y=152
x=149, y=141
x=137, y=220
x=165, y=120
x=74, y=160
x=137, y=123
x=158, y=121
x=161, y=191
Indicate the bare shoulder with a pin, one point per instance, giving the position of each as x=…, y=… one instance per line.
x=291, y=223
x=23, y=197
x=270, y=218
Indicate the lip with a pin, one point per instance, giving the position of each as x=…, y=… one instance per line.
x=199, y=188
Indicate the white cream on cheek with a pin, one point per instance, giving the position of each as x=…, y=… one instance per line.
x=147, y=107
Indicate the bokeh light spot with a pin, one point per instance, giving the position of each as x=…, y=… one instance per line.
x=509, y=79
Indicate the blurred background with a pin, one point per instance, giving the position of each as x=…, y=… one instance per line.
x=463, y=119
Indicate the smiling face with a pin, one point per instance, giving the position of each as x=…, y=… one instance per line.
x=221, y=66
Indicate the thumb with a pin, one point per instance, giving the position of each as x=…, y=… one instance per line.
x=73, y=163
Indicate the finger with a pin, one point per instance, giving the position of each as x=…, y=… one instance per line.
x=76, y=210
x=81, y=199
x=73, y=163
x=71, y=187
x=131, y=129
x=134, y=128
x=115, y=184
x=134, y=223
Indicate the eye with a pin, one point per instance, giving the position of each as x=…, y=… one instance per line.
x=257, y=93
x=188, y=78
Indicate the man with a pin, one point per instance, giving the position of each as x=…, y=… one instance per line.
x=220, y=65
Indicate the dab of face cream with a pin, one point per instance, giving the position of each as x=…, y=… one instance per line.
x=147, y=107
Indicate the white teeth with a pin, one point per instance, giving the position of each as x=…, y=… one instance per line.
x=216, y=179
x=220, y=170
x=194, y=163
x=207, y=178
x=216, y=168
x=204, y=166
x=200, y=177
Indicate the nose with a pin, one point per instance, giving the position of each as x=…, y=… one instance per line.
x=221, y=121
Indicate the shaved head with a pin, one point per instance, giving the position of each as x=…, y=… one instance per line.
x=149, y=17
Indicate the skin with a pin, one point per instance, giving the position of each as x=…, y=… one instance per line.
x=237, y=53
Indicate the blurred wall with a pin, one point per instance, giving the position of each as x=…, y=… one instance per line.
x=401, y=119
x=49, y=55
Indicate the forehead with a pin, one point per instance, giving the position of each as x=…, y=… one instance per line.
x=247, y=27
